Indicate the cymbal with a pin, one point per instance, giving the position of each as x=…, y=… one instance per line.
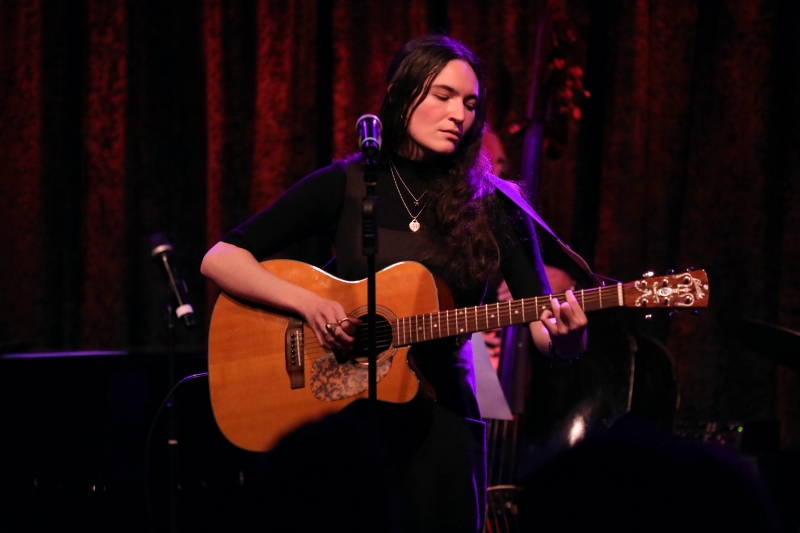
x=780, y=344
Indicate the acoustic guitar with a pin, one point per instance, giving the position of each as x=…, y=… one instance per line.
x=269, y=375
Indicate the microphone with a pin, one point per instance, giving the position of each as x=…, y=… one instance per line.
x=161, y=250
x=368, y=128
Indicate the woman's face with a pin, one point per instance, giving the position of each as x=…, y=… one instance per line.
x=440, y=121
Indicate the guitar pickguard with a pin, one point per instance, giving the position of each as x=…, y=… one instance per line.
x=331, y=381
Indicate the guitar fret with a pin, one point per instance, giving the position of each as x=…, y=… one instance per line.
x=583, y=303
x=619, y=294
x=536, y=305
x=448, y=322
x=430, y=317
x=475, y=310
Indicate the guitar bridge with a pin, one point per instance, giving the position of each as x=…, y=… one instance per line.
x=294, y=351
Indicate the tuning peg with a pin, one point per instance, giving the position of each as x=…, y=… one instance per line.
x=672, y=313
x=671, y=271
x=648, y=274
x=648, y=317
x=690, y=269
x=695, y=312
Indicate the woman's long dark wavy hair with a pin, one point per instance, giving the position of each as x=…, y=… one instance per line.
x=461, y=203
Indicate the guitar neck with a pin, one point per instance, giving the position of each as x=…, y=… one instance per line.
x=426, y=327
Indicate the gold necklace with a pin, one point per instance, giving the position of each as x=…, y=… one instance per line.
x=395, y=172
x=414, y=224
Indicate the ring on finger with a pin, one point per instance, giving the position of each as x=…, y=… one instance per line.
x=331, y=326
x=345, y=319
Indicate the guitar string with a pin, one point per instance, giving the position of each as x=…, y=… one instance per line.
x=472, y=314
x=385, y=331
x=387, y=334
x=477, y=318
x=502, y=312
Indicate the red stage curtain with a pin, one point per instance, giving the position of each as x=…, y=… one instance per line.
x=21, y=265
x=119, y=119
x=104, y=203
x=365, y=37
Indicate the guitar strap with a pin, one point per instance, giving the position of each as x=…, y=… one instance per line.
x=513, y=194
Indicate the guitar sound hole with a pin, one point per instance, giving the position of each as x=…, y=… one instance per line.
x=383, y=338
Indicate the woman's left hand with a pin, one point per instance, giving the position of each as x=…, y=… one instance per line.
x=566, y=324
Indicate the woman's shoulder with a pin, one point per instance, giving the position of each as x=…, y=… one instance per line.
x=328, y=180
x=336, y=169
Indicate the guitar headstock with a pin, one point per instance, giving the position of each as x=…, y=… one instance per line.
x=680, y=290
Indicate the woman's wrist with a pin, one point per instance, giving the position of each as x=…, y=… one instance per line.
x=557, y=361
x=563, y=354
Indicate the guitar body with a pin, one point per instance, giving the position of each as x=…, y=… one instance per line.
x=252, y=392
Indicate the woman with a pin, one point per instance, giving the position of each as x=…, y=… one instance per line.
x=438, y=208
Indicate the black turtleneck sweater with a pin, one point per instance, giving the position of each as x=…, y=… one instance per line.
x=313, y=206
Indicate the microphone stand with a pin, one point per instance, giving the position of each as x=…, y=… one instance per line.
x=176, y=288
x=172, y=434
x=369, y=244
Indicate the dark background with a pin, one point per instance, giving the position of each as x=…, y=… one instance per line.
x=122, y=118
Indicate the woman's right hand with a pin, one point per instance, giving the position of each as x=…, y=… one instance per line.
x=237, y=272
x=318, y=312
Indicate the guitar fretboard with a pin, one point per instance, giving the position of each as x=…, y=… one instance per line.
x=426, y=327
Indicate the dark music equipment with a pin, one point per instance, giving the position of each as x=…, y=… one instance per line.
x=73, y=428
x=780, y=344
x=268, y=374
